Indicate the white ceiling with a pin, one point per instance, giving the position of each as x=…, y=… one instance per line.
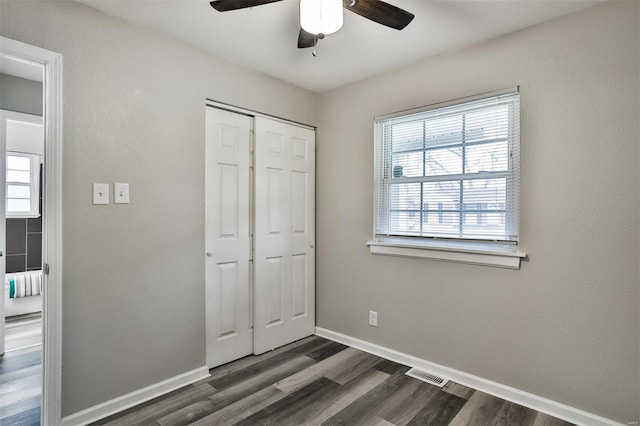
x=264, y=38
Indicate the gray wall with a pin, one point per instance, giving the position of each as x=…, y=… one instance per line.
x=133, y=290
x=566, y=325
x=20, y=95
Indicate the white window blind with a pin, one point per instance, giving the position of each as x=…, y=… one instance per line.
x=450, y=172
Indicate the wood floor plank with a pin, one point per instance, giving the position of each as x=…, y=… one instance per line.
x=377, y=421
x=23, y=333
x=19, y=359
x=221, y=399
x=326, y=351
x=390, y=367
x=21, y=386
x=146, y=413
x=303, y=345
x=356, y=366
x=29, y=372
x=284, y=411
x=321, y=409
x=440, y=409
x=310, y=347
x=315, y=371
x=21, y=389
x=349, y=393
x=458, y=390
x=481, y=409
x=235, y=377
x=12, y=412
x=404, y=404
x=513, y=414
x=240, y=410
x=366, y=404
x=26, y=417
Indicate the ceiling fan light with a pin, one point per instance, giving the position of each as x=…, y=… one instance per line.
x=321, y=16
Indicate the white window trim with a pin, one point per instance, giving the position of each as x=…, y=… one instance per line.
x=484, y=253
x=475, y=253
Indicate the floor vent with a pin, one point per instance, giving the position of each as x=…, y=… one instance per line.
x=427, y=377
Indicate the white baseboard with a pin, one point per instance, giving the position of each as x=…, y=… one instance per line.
x=535, y=402
x=129, y=400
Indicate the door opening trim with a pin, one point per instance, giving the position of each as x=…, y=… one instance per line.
x=52, y=209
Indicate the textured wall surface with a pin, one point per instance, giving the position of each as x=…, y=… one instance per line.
x=133, y=290
x=20, y=95
x=566, y=325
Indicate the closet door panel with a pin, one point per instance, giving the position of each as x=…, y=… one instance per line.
x=299, y=285
x=227, y=236
x=284, y=307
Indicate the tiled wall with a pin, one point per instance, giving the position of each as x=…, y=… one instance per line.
x=24, y=242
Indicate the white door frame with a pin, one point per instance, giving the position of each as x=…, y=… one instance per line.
x=52, y=225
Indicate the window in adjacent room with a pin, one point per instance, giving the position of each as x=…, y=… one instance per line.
x=22, y=190
x=23, y=136
x=447, y=176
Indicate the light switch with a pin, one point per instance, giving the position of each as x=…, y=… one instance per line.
x=100, y=193
x=121, y=191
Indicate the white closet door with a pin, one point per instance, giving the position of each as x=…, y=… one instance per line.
x=284, y=258
x=227, y=238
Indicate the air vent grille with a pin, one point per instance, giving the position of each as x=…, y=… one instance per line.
x=427, y=377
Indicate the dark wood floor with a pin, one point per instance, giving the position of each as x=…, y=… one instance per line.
x=316, y=381
x=20, y=386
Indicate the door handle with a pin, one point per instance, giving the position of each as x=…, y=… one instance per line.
x=0, y=254
x=209, y=254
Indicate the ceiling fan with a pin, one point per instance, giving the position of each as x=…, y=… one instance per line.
x=322, y=17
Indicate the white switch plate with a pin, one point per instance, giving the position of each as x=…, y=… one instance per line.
x=121, y=193
x=373, y=318
x=100, y=193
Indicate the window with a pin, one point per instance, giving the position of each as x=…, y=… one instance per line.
x=23, y=189
x=23, y=138
x=447, y=176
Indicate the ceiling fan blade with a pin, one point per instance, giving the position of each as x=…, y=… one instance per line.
x=226, y=5
x=306, y=39
x=380, y=12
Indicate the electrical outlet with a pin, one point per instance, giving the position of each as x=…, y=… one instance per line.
x=373, y=318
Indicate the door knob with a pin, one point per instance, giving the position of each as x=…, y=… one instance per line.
x=209, y=254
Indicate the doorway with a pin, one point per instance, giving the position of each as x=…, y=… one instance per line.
x=21, y=177
x=26, y=172
x=259, y=233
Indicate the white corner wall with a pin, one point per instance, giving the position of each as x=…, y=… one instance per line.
x=566, y=326
x=133, y=279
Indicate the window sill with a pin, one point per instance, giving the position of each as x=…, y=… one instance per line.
x=23, y=216
x=500, y=256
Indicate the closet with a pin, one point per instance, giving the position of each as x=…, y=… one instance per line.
x=259, y=233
